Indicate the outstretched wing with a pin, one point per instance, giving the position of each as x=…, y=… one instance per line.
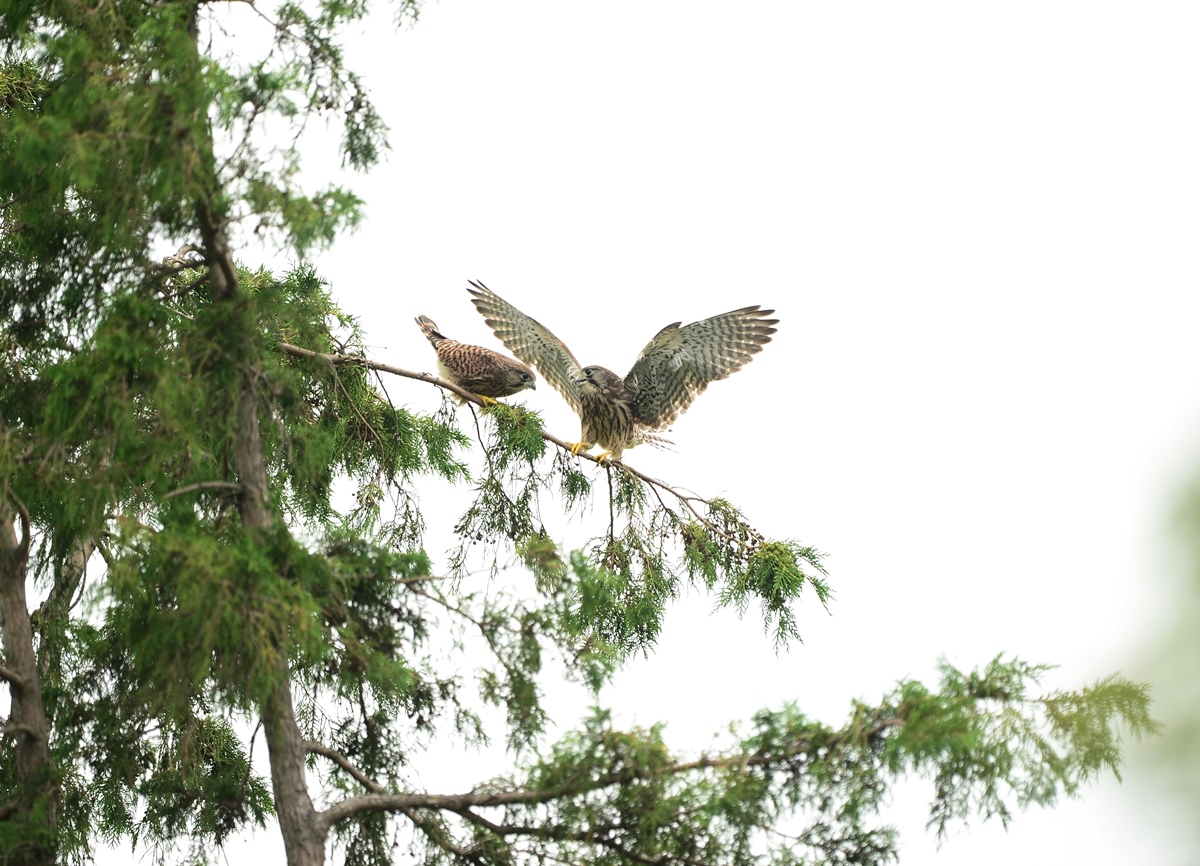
x=530, y=341
x=680, y=362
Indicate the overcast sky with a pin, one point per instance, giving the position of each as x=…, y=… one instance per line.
x=978, y=226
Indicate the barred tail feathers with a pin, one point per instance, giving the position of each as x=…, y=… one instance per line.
x=659, y=442
x=429, y=329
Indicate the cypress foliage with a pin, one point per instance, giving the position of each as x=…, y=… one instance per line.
x=171, y=432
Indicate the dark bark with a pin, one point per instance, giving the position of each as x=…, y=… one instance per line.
x=27, y=724
x=303, y=838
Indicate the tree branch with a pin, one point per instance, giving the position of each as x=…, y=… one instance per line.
x=13, y=729
x=14, y=679
x=591, y=837
x=437, y=834
x=203, y=485
x=343, y=762
x=586, y=783
x=341, y=360
x=176, y=262
x=688, y=500
x=23, y=517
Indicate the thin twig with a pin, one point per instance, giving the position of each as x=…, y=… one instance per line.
x=338, y=381
x=608, y=475
x=250, y=755
x=486, y=453
x=439, y=837
x=203, y=485
x=424, y=578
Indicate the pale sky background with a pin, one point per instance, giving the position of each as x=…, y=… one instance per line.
x=977, y=224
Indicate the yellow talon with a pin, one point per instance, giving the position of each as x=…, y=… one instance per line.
x=577, y=447
x=605, y=457
x=487, y=401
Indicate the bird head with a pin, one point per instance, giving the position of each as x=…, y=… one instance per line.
x=600, y=378
x=519, y=377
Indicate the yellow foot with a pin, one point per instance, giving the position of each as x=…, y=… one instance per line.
x=606, y=457
x=580, y=446
x=487, y=401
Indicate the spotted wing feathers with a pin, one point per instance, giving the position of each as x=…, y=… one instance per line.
x=530, y=341
x=679, y=362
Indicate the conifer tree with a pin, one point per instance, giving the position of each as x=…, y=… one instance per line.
x=171, y=428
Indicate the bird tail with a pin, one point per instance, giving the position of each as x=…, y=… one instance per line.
x=659, y=442
x=429, y=329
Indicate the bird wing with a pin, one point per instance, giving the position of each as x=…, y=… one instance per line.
x=530, y=341
x=679, y=362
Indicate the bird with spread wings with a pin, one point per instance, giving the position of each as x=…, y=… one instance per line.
x=618, y=413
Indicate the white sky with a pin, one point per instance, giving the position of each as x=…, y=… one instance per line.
x=977, y=224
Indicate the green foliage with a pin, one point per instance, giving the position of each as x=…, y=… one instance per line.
x=622, y=796
x=142, y=398
x=128, y=430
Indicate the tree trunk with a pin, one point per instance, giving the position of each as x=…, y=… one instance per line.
x=302, y=840
x=27, y=724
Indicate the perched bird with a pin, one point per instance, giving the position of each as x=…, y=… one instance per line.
x=484, y=373
x=619, y=413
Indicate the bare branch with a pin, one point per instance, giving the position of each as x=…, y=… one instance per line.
x=203, y=485
x=434, y=831
x=343, y=762
x=340, y=360
x=423, y=578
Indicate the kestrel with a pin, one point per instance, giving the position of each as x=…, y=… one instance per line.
x=484, y=373
x=619, y=413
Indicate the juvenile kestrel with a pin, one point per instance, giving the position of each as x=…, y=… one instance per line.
x=484, y=373
x=674, y=367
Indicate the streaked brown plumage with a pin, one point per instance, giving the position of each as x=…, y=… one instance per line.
x=619, y=413
x=486, y=374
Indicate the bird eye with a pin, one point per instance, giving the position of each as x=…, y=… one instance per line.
x=587, y=371
x=525, y=377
